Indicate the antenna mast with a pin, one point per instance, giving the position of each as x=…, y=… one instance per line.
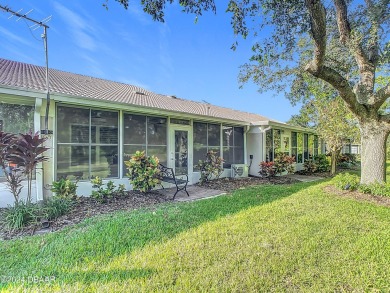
x=35, y=26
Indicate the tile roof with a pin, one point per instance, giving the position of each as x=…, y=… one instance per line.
x=27, y=76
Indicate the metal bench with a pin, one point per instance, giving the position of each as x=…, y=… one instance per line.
x=168, y=175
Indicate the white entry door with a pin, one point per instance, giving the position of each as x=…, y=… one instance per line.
x=180, y=155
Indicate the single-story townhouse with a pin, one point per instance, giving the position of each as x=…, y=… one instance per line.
x=97, y=124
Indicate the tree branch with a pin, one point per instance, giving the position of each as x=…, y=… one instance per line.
x=316, y=67
x=381, y=96
x=318, y=31
x=384, y=118
x=366, y=68
x=340, y=84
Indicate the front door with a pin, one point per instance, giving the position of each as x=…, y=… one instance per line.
x=180, y=151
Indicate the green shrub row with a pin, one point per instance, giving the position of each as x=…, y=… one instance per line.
x=347, y=181
x=319, y=163
x=25, y=213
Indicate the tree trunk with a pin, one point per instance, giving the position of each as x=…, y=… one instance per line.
x=373, y=152
x=333, y=161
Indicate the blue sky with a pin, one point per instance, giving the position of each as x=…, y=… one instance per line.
x=178, y=57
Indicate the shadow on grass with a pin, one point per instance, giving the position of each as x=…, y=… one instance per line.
x=97, y=241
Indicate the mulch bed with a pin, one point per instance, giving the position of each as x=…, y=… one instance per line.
x=86, y=207
x=231, y=184
x=380, y=200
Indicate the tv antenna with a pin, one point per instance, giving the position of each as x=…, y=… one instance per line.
x=37, y=24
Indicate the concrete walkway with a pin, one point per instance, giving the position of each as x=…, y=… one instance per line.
x=196, y=193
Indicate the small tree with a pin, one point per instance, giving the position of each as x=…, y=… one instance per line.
x=211, y=166
x=143, y=171
x=12, y=175
x=28, y=153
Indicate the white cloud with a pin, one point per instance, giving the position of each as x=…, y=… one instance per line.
x=82, y=32
x=133, y=82
x=13, y=37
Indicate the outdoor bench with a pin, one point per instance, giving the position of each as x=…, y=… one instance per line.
x=168, y=175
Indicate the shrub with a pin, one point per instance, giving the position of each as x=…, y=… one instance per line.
x=267, y=169
x=121, y=190
x=20, y=215
x=347, y=159
x=322, y=162
x=283, y=163
x=310, y=166
x=143, y=171
x=211, y=166
x=376, y=188
x=56, y=207
x=65, y=188
x=105, y=191
x=346, y=181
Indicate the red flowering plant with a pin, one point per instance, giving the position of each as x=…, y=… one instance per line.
x=267, y=169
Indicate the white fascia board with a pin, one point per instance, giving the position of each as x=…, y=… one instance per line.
x=275, y=124
x=19, y=96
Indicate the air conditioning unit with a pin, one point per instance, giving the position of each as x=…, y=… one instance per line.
x=239, y=170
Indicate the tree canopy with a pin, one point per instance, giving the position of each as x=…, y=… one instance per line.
x=344, y=43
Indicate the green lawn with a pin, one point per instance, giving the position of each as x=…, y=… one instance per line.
x=266, y=238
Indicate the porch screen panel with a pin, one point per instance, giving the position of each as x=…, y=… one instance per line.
x=72, y=142
x=238, y=151
x=300, y=147
x=233, y=145
x=311, y=145
x=214, y=138
x=144, y=133
x=316, y=145
x=305, y=146
x=200, y=142
x=104, y=144
x=294, y=145
x=277, y=142
x=157, y=138
x=269, y=145
x=206, y=137
x=87, y=143
x=15, y=119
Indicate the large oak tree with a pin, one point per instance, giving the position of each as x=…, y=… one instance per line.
x=341, y=32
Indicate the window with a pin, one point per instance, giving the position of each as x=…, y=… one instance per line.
x=300, y=147
x=206, y=137
x=311, y=146
x=233, y=145
x=277, y=141
x=316, y=145
x=294, y=145
x=273, y=144
x=87, y=143
x=306, y=146
x=144, y=133
x=269, y=145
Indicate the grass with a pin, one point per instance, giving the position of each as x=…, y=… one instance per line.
x=267, y=238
